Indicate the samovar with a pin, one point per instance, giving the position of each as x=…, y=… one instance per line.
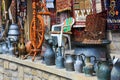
x=13, y=33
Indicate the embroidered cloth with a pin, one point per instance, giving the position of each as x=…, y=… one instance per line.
x=63, y=5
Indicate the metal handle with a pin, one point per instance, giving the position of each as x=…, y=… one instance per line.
x=93, y=57
x=82, y=56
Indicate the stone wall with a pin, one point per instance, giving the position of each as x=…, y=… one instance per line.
x=114, y=36
x=13, y=71
x=12, y=68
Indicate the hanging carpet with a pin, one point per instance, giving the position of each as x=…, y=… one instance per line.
x=63, y=5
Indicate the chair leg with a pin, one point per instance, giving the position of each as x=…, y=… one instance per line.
x=69, y=40
x=59, y=41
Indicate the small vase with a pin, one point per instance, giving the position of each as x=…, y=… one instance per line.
x=79, y=63
x=69, y=63
x=89, y=67
x=59, y=59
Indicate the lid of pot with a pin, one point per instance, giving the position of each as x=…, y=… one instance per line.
x=13, y=32
x=13, y=26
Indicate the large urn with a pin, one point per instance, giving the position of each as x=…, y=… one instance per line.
x=103, y=70
x=49, y=54
x=115, y=73
x=13, y=33
x=79, y=63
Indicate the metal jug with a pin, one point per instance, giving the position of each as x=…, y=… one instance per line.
x=69, y=62
x=59, y=59
x=49, y=54
x=21, y=48
x=115, y=73
x=79, y=63
x=88, y=69
x=103, y=70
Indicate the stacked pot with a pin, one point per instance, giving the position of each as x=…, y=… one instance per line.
x=13, y=33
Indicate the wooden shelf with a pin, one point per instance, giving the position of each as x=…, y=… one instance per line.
x=78, y=26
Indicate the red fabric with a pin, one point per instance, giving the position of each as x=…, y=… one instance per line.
x=63, y=5
x=94, y=6
x=13, y=10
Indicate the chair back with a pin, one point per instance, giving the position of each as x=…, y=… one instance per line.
x=68, y=24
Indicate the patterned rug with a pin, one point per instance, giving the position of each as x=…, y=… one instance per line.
x=63, y=5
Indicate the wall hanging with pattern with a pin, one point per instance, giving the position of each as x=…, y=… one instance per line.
x=113, y=15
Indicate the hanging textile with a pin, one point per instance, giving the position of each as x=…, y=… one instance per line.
x=63, y=5
x=94, y=6
x=81, y=11
x=21, y=12
x=13, y=11
x=82, y=4
x=92, y=17
x=88, y=4
x=0, y=13
x=76, y=4
x=113, y=15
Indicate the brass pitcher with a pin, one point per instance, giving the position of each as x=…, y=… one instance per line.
x=21, y=48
